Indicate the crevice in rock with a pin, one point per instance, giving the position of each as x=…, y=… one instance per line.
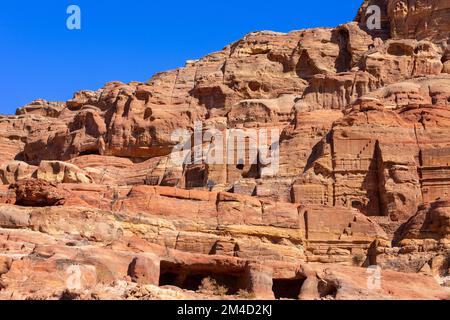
x=344, y=59
x=382, y=201
x=93, y=152
x=374, y=186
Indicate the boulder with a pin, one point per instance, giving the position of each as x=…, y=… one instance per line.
x=38, y=193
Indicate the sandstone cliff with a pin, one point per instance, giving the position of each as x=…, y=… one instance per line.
x=93, y=207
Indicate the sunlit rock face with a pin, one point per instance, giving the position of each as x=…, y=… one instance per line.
x=92, y=205
x=416, y=19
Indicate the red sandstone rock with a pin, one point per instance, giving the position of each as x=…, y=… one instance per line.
x=411, y=19
x=144, y=270
x=92, y=206
x=34, y=192
x=42, y=108
x=431, y=222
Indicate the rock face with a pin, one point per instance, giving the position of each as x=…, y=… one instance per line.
x=414, y=19
x=93, y=205
x=37, y=193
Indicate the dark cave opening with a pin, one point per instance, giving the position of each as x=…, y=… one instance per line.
x=168, y=279
x=89, y=153
x=195, y=176
x=195, y=280
x=344, y=59
x=287, y=288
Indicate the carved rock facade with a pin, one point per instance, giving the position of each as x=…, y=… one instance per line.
x=91, y=205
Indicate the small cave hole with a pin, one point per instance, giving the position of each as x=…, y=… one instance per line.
x=148, y=114
x=89, y=153
x=287, y=288
x=254, y=86
x=357, y=205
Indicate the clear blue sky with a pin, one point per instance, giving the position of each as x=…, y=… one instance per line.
x=131, y=40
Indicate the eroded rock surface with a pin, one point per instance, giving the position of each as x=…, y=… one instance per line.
x=93, y=207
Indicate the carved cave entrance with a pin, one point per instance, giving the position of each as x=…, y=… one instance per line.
x=287, y=288
x=188, y=278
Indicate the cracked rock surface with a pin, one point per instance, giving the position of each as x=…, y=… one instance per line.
x=92, y=207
